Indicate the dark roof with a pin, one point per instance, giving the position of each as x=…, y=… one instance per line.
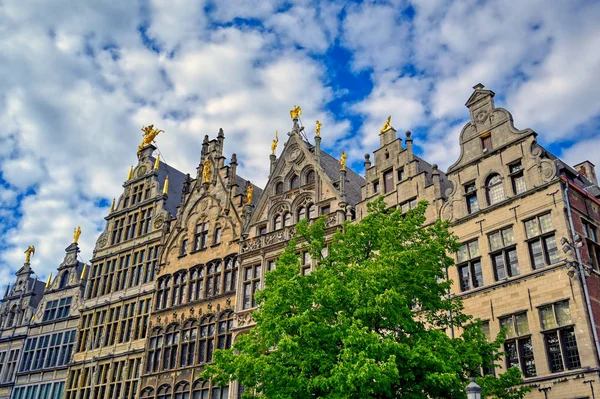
x=241, y=182
x=176, y=179
x=354, y=181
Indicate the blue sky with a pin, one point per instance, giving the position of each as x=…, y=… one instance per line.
x=79, y=79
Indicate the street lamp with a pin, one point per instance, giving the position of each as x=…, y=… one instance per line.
x=473, y=390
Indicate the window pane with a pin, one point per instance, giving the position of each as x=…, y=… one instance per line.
x=513, y=262
x=553, y=350
x=552, y=249
x=463, y=274
x=495, y=241
x=547, y=316
x=521, y=322
x=528, y=363
x=537, y=256
x=473, y=249
x=472, y=203
x=531, y=228
x=519, y=184
x=477, y=274
x=546, y=223
x=496, y=193
x=508, y=324
x=498, y=262
x=512, y=357
x=563, y=313
x=509, y=236
x=567, y=337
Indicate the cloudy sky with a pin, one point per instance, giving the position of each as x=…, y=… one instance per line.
x=78, y=79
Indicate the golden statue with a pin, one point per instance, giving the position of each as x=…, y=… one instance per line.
x=296, y=112
x=112, y=206
x=49, y=280
x=249, y=191
x=387, y=125
x=318, y=129
x=76, y=234
x=166, y=186
x=130, y=173
x=275, y=142
x=28, y=252
x=149, y=135
x=206, y=171
x=343, y=161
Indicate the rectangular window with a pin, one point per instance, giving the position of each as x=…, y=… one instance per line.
x=57, y=309
x=559, y=337
x=590, y=231
x=471, y=198
x=504, y=253
x=400, y=174
x=306, y=263
x=325, y=210
x=47, y=351
x=517, y=178
x=486, y=142
x=184, y=247
x=201, y=236
x=218, y=231
x=517, y=347
x=469, y=266
x=262, y=230
x=408, y=205
x=388, y=181
x=376, y=186
x=251, y=285
x=542, y=243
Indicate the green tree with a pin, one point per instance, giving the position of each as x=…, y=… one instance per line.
x=369, y=322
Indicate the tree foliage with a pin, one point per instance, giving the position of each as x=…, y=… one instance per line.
x=369, y=322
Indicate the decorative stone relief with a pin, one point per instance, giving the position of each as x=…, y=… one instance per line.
x=141, y=171
x=102, y=240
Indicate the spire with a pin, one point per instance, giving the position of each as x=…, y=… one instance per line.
x=83, y=272
x=49, y=281
x=130, y=173
x=157, y=162
x=166, y=186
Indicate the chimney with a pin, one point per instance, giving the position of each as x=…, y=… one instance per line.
x=587, y=169
x=437, y=187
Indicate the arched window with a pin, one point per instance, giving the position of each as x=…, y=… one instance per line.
x=179, y=283
x=205, y=340
x=147, y=393
x=312, y=211
x=294, y=182
x=219, y=393
x=64, y=280
x=278, y=188
x=162, y=292
x=12, y=317
x=201, y=390
x=182, y=391
x=301, y=213
x=213, y=278
x=164, y=392
x=310, y=177
x=277, y=222
x=287, y=219
x=225, y=326
x=195, y=286
x=154, y=350
x=495, y=189
x=170, y=348
x=188, y=343
x=231, y=269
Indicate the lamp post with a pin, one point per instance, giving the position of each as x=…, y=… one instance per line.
x=473, y=390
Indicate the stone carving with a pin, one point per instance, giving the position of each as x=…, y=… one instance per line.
x=481, y=116
x=103, y=240
x=141, y=171
x=158, y=221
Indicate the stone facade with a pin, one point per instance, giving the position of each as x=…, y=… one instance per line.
x=16, y=310
x=51, y=336
x=115, y=312
x=175, y=272
x=196, y=281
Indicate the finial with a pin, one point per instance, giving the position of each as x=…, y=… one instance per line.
x=221, y=134
x=83, y=271
x=76, y=234
x=206, y=171
x=149, y=135
x=478, y=86
x=234, y=158
x=387, y=125
x=130, y=173
x=274, y=143
x=318, y=129
x=157, y=162
x=112, y=206
x=343, y=161
x=49, y=281
x=295, y=112
x=408, y=134
x=28, y=252
x=166, y=186
x=249, y=192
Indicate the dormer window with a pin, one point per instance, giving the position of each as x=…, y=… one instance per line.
x=486, y=143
